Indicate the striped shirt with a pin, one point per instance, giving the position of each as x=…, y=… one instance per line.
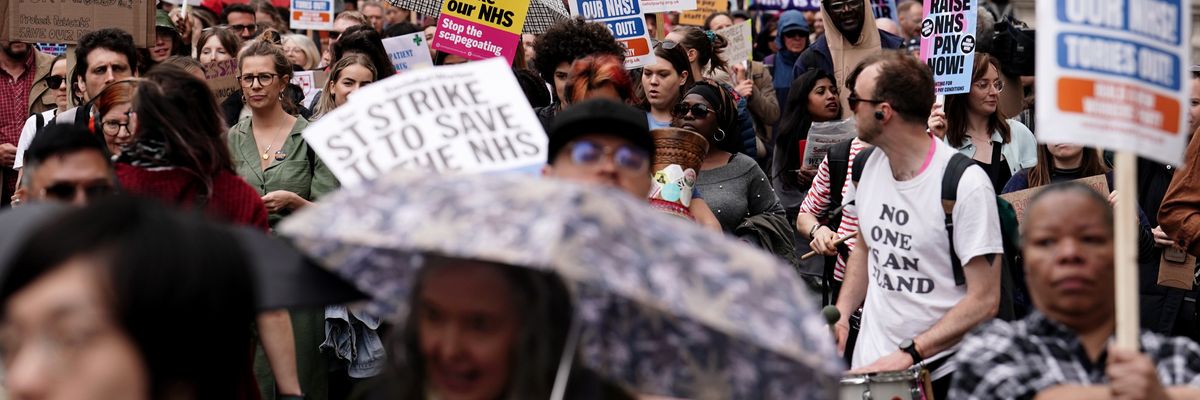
x=818, y=198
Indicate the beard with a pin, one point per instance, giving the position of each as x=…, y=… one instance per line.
x=16, y=50
x=869, y=129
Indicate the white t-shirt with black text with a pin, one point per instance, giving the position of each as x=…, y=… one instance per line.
x=910, y=279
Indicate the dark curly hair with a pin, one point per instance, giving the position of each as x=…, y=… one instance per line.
x=570, y=40
x=363, y=39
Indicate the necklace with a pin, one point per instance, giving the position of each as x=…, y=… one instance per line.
x=279, y=155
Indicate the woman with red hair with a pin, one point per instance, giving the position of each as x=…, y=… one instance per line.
x=599, y=76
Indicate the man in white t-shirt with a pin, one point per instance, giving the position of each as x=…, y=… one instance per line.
x=901, y=273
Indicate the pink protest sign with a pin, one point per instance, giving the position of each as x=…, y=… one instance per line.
x=948, y=43
x=479, y=29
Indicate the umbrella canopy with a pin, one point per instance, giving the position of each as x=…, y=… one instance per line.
x=663, y=306
x=284, y=278
x=542, y=13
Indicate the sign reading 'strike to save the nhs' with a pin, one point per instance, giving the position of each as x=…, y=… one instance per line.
x=1112, y=74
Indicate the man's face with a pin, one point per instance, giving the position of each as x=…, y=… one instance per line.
x=604, y=160
x=76, y=178
x=15, y=50
x=243, y=25
x=562, y=77
x=374, y=14
x=1194, y=109
x=1068, y=249
x=847, y=15
x=340, y=26
x=104, y=67
x=869, y=128
x=910, y=22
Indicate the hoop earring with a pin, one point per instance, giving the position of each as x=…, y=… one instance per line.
x=722, y=137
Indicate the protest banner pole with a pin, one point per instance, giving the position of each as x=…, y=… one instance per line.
x=1125, y=265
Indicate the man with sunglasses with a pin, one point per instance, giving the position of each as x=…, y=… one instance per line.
x=66, y=163
x=602, y=142
x=924, y=269
x=21, y=67
x=240, y=19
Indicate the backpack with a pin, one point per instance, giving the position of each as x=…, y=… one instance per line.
x=1013, y=297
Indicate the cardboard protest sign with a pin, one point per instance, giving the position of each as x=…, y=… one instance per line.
x=1114, y=74
x=222, y=78
x=1020, y=199
x=627, y=23
x=408, y=52
x=479, y=29
x=310, y=83
x=64, y=21
x=661, y=6
x=884, y=9
x=741, y=42
x=462, y=118
x=704, y=8
x=948, y=43
x=311, y=14
x=784, y=5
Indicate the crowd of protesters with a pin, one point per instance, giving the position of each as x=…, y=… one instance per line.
x=919, y=276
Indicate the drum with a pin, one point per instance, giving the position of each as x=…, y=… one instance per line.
x=910, y=384
x=678, y=154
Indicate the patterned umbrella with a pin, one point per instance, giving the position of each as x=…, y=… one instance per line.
x=663, y=306
x=542, y=13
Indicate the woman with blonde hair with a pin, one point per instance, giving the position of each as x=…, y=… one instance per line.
x=348, y=75
x=301, y=51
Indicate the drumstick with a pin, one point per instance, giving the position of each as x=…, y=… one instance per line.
x=838, y=242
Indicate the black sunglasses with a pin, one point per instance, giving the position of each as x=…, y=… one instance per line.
x=66, y=191
x=246, y=27
x=698, y=110
x=854, y=100
x=55, y=81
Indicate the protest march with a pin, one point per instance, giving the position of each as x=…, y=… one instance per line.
x=599, y=199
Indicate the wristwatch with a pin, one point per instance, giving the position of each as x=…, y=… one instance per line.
x=910, y=347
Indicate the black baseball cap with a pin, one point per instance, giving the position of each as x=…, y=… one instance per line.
x=599, y=116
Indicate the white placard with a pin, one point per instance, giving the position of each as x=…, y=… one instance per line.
x=467, y=118
x=741, y=42
x=408, y=52
x=1114, y=74
x=311, y=14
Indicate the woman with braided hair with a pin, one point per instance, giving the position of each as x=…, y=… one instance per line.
x=734, y=187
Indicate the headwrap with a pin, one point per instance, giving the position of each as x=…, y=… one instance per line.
x=725, y=109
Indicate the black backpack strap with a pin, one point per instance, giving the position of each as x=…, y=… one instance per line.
x=39, y=120
x=954, y=172
x=860, y=163
x=839, y=161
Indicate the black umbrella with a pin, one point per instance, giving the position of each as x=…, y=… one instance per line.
x=285, y=278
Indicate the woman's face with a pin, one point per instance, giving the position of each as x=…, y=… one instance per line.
x=294, y=54
x=59, y=70
x=261, y=84
x=115, y=123
x=823, y=103
x=706, y=125
x=662, y=84
x=985, y=92
x=719, y=22
x=429, y=32
x=60, y=340
x=163, y=44
x=1064, y=152
x=213, y=51
x=350, y=80
x=467, y=342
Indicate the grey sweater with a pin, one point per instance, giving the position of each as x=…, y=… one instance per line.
x=738, y=190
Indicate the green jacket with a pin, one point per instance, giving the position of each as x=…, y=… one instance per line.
x=300, y=172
